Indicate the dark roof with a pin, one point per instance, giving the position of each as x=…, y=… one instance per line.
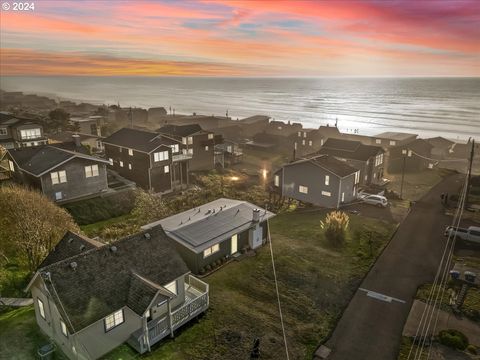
x=39, y=160
x=180, y=130
x=67, y=136
x=347, y=149
x=95, y=283
x=440, y=142
x=140, y=140
x=254, y=119
x=391, y=135
x=71, y=245
x=329, y=163
x=419, y=145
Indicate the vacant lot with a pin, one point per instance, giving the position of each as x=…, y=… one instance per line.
x=416, y=185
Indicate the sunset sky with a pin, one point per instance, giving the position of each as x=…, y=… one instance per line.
x=242, y=38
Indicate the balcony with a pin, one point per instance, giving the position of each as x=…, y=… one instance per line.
x=196, y=302
x=181, y=157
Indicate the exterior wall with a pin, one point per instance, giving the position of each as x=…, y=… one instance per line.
x=313, y=177
x=23, y=178
x=307, y=142
x=202, y=159
x=160, y=307
x=77, y=184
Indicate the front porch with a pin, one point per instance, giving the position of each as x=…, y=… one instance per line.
x=196, y=302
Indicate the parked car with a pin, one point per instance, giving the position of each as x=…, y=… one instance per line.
x=472, y=233
x=377, y=200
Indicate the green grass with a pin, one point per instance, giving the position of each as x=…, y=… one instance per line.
x=14, y=278
x=405, y=347
x=96, y=229
x=316, y=281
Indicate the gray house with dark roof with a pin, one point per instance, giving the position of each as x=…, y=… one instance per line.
x=321, y=180
x=61, y=175
x=368, y=159
x=90, y=297
x=16, y=132
x=216, y=230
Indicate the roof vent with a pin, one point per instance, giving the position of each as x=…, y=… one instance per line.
x=256, y=215
x=113, y=249
x=70, y=240
x=147, y=236
x=73, y=265
x=82, y=247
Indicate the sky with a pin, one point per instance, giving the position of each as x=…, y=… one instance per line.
x=242, y=38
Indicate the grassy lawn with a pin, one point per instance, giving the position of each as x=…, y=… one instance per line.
x=14, y=278
x=316, y=281
x=96, y=229
x=416, y=184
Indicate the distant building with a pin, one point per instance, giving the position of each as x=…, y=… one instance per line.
x=153, y=161
x=321, y=180
x=228, y=153
x=91, y=297
x=71, y=140
x=307, y=141
x=60, y=174
x=413, y=157
x=389, y=139
x=275, y=127
x=216, y=230
x=198, y=143
x=370, y=160
x=441, y=147
x=20, y=132
x=254, y=124
x=155, y=114
x=91, y=125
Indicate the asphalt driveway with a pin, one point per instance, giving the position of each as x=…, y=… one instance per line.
x=371, y=326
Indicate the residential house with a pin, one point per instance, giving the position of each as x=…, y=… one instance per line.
x=368, y=159
x=281, y=128
x=321, y=180
x=91, y=297
x=441, y=147
x=18, y=132
x=217, y=230
x=228, y=153
x=390, y=139
x=60, y=174
x=200, y=144
x=153, y=161
x=207, y=122
x=156, y=114
x=254, y=124
x=73, y=141
x=307, y=141
x=91, y=125
x=413, y=157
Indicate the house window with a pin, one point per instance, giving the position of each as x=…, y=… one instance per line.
x=343, y=197
x=210, y=136
x=303, y=189
x=206, y=148
x=378, y=141
x=166, y=169
x=63, y=326
x=120, y=149
x=310, y=142
x=357, y=177
x=378, y=159
x=41, y=309
x=160, y=156
x=130, y=152
x=393, y=142
x=58, y=195
x=229, y=148
x=211, y=250
x=30, y=134
x=327, y=180
x=190, y=140
x=129, y=166
x=58, y=177
x=184, y=140
x=321, y=142
x=11, y=166
x=113, y=320
x=304, y=134
x=276, y=180
x=172, y=287
x=91, y=171
x=326, y=193
x=303, y=142
x=190, y=151
x=299, y=134
x=175, y=148
x=121, y=163
x=3, y=131
x=110, y=160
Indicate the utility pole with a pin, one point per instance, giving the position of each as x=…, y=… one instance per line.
x=472, y=154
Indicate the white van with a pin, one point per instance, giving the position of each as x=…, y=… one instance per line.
x=471, y=234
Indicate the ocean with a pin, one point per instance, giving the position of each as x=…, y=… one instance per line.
x=448, y=107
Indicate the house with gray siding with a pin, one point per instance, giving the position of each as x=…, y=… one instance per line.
x=61, y=175
x=18, y=132
x=369, y=159
x=321, y=180
x=216, y=230
x=91, y=297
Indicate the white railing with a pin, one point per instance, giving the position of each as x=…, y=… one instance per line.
x=186, y=312
x=181, y=157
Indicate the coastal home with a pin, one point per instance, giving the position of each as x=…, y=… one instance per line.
x=153, y=161
x=368, y=159
x=71, y=140
x=228, y=153
x=413, y=157
x=60, y=174
x=155, y=114
x=321, y=180
x=441, y=147
x=390, y=139
x=91, y=125
x=216, y=230
x=91, y=297
x=16, y=132
x=307, y=141
x=207, y=122
x=281, y=128
x=198, y=143
x=254, y=124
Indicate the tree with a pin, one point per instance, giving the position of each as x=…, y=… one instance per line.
x=149, y=207
x=58, y=119
x=335, y=227
x=30, y=224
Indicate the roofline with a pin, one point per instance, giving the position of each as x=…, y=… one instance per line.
x=145, y=152
x=304, y=160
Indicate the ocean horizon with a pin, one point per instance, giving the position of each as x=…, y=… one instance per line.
x=441, y=106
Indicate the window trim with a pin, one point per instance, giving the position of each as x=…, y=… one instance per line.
x=92, y=171
x=56, y=178
x=3, y=131
x=41, y=308
x=166, y=169
x=130, y=152
x=211, y=250
x=303, y=189
x=327, y=180
x=161, y=156
x=114, y=320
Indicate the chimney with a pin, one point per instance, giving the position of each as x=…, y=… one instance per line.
x=256, y=215
x=76, y=140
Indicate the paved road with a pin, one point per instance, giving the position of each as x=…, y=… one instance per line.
x=371, y=326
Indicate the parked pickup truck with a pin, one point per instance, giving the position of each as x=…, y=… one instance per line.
x=470, y=234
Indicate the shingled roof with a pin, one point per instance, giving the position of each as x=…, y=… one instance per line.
x=39, y=160
x=130, y=272
x=348, y=149
x=141, y=140
x=329, y=163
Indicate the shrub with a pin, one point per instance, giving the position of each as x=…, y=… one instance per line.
x=472, y=349
x=453, y=339
x=335, y=227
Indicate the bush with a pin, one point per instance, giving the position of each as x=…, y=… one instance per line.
x=335, y=227
x=453, y=339
x=472, y=349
